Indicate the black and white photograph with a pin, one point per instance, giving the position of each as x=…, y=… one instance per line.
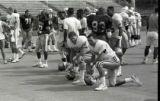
x=79, y=50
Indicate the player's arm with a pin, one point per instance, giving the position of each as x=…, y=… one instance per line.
x=108, y=26
x=7, y=29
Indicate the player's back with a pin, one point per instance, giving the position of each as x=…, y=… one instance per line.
x=72, y=24
x=100, y=23
x=153, y=22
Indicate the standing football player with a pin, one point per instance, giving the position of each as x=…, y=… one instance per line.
x=152, y=37
x=101, y=25
x=42, y=41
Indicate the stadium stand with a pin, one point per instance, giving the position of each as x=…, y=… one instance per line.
x=21, y=6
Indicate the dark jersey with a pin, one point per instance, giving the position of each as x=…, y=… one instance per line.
x=46, y=23
x=89, y=20
x=100, y=24
x=26, y=21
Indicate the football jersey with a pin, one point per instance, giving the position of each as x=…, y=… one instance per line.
x=72, y=24
x=138, y=19
x=17, y=19
x=81, y=45
x=132, y=20
x=117, y=22
x=26, y=21
x=11, y=19
x=99, y=48
x=100, y=24
x=45, y=24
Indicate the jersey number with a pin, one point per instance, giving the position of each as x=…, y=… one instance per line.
x=98, y=26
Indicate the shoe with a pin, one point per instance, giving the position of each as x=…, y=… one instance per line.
x=145, y=61
x=136, y=80
x=155, y=61
x=43, y=66
x=101, y=87
x=55, y=49
x=30, y=50
x=79, y=82
x=37, y=64
x=5, y=62
x=14, y=61
x=22, y=55
x=50, y=50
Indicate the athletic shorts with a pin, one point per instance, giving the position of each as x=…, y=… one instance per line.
x=84, y=58
x=2, y=44
x=42, y=43
x=152, y=39
x=125, y=41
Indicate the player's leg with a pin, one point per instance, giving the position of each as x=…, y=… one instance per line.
x=30, y=40
x=38, y=53
x=109, y=65
x=125, y=45
x=149, y=41
x=14, y=52
x=52, y=37
x=2, y=44
x=62, y=52
x=82, y=63
x=45, y=49
x=22, y=53
x=155, y=43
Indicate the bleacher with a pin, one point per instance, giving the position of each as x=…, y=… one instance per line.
x=35, y=6
x=106, y=3
x=21, y=6
x=62, y=4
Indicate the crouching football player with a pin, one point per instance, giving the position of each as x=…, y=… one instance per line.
x=105, y=58
x=80, y=54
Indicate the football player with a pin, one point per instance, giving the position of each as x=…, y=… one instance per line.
x=83, y=20
x=80, y=54
x=3, y=26
x=101, y=24
x=27, y=26
x=152, y=37
x=42, y=41
x=53, y=21
x=13, y=23
x=60, y=34
x=104, y=57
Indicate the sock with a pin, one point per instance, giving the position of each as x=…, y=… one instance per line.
x=127, y=79
x=82, y=72
x=38, y=55
x=45, y=55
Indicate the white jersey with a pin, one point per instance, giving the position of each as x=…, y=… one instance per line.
x=117, y=21
x=81, y=45
x=72, y=24
x=100, y=47
x=132, y=21
x=138, y=19
x=11, y=19
x=60, y=30
x=17, y=19
x=1, y=31
x=83, y=22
